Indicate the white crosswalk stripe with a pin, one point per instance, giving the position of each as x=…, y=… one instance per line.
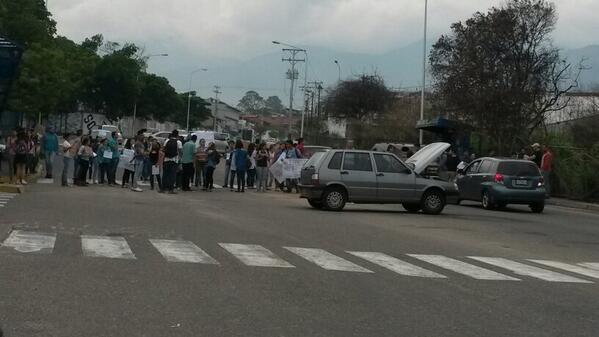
x=5, y=198
x=463, y=267
x=114, y=247
x=182, y=251
x=569, y=267
x=327, y=260
x=592, y=265
x=29, y=242
x=396, y=265
x=255, y=255
x=527, y=270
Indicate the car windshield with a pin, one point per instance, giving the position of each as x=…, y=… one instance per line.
x=518, y=168
x=315, y=159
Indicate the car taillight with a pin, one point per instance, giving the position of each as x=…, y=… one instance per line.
x=498, y=178
x=541, y=182
x=315, y=180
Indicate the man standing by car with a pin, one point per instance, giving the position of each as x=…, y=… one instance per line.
x=546, y=160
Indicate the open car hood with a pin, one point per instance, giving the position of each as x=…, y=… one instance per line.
x=426, y=156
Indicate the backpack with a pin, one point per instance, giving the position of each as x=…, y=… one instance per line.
x=170, y=149
x=21, y=147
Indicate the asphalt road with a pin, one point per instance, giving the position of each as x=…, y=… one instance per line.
x=67, y=291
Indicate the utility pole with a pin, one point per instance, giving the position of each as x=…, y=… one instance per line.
x=216, y=92
x=292, y=74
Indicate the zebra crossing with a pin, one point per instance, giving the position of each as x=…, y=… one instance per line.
x=5, y=198
x=252, y=255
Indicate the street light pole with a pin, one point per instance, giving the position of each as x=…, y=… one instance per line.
x=339, y=70
x=146, y=59
x=421, y=133
x=189, y=95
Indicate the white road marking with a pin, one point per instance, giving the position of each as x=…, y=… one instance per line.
x=182, y=251
x=396, y=265
x=255, y=255
x=569, y=267
x=114, y=247
x=29, y=242
x=327, y=260
x=463, y=267
x=45, y=181
x=1, y=205
x=526, y=270
x=3, y=202
x=592, y=265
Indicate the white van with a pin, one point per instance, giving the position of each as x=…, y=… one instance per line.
x=218, y=138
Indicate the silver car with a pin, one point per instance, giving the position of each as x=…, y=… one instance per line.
x=330, y=179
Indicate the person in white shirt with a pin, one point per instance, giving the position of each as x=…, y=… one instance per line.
x=67, y=159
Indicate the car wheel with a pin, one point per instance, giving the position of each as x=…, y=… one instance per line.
x=433, y=202
x=487, y=202
x=411, y=208
x=537, y=207
x=315, y=203
x=334, y=199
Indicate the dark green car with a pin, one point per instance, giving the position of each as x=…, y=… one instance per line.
x=497, y=182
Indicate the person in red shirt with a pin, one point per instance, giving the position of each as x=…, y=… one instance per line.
x=546, y=160
x=300, y=146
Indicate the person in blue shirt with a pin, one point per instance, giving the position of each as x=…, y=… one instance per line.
x=241, y=164
x=49, y=149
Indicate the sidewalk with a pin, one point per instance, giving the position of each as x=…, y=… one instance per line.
x=572, y=204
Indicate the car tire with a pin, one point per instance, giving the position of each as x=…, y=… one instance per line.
x=433, y=202
x=334, y=199
x=486, y=201
x=411, y=208
x=537, y=207
x=315, y=203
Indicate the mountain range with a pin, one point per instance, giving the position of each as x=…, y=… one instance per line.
x=400, y=68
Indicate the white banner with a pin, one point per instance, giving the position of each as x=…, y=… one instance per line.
x=288, y=168
x=126, y=160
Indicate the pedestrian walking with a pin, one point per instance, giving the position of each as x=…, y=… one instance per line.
x=156, y=157
x=262, y=158
x=546, y=162
x=251, y=172
x=228, y=157
x=213, y=159
x=85, y=154
x=20, y=159
x=241, y=164
x=187, y=158
x=200, y=162
x=138, y=162
x=172, y=152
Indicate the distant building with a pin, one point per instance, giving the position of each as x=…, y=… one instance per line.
x=227, y=117
x=580, y=105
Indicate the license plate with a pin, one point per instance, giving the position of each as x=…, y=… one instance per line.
x=521, y=182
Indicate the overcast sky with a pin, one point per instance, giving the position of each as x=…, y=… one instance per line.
x=209, y=31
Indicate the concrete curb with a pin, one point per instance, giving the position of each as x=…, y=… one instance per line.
x=7, y=188
x=572, y=204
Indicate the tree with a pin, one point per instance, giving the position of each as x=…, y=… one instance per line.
x=500, y=73
x=198, y=111
x=157, y=98
x=251, y=103
x=274, y=105
x=26, y=21
x=360, y=102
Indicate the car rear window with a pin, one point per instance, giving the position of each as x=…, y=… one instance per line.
x=515, y=168
x=315, y=159
x=335, y=163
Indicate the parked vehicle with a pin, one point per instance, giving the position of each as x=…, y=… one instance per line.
x=218, y=138
x=497, y=182
x=331, y=179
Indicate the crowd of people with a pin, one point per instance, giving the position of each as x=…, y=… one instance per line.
x=175, y=164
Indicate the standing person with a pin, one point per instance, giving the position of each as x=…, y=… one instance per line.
x=85, y=154
x=228, y=157
x=200, y=163
x=156, y=156
x=291, y=153
x=11, y=147
x=21, y=152
x=187, y=162
x=241, y=159
x=271, y=160
x=111, y=152
x=213, y=160
x=76, y=143
x=128, y=169
x=452, y=165
x=138, y=162
x=94, y=161
x=251, y=173
x=262, y=158
x=172, y=151
x=31, y=152
x=103, y=163
x=67, y=160
x=537, y=154
x=546, y=162
x=300, y=146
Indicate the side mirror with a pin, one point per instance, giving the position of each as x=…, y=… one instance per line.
x=460, y=172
